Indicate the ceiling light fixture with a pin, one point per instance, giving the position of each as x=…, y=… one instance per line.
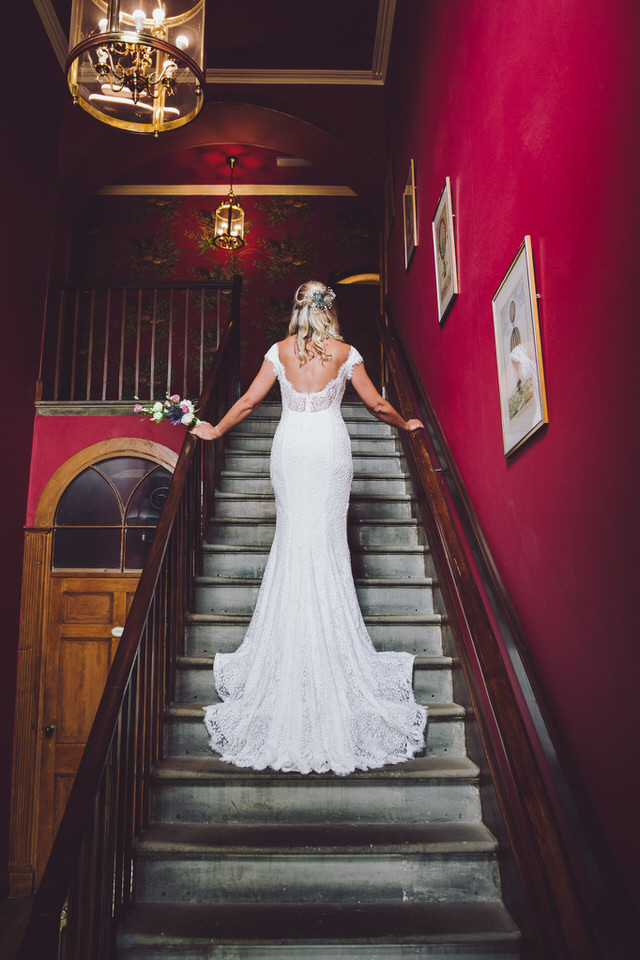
x=229, y=228
x=135, y=69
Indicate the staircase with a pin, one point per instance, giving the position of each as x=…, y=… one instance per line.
x=394, y=863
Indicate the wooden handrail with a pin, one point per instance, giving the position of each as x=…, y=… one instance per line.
x=571, y=918
x=86, y=883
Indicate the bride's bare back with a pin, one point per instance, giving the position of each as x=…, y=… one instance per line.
x=313, y=375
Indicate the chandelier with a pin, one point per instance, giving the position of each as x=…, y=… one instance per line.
x=137, y=64
x=229, y=227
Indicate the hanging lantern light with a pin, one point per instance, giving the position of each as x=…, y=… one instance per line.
x=137, y=67
x=229, y=228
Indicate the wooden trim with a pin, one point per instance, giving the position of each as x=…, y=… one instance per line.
x=117, y=447
x=26, y=741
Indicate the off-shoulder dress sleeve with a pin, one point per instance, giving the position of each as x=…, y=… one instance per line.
x=273, y=355
x=352, y=360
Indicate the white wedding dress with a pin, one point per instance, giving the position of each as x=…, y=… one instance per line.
x=306, y=690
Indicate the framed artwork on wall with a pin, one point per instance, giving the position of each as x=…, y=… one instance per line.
x=523, y=401
x=389, y=200
x=444, y=250
x=409, y=217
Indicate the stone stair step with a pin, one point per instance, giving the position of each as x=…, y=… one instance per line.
x=364, y=506
x=236, y=560
x=379, y=532
x=186, y=735
x=419, y=634
x=431, y=679
x=431, y=789
x=380, y=595
x=245, y=462
x=357, y=426
x=281, y=863
x=327, y=931
x=361, y=443
x=237, y=482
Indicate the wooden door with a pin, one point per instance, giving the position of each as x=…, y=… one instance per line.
x=86, y=615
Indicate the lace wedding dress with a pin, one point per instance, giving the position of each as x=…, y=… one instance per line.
x=306, y=690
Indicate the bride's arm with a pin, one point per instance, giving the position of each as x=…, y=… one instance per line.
x=376, y=404
x=241, y=409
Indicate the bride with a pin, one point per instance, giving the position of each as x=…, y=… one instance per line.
x=306, y=690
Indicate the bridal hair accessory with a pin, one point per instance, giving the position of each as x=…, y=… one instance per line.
x=320, y=300
x=173, y=409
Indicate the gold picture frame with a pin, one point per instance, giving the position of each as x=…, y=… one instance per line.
x=523, y=400
x=444, y=251
x=409, y=216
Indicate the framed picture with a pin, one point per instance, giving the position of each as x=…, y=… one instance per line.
x=444, y=250
x=389, y=200
x=523, y=401
x=409, y=216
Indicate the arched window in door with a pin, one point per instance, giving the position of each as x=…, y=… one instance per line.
x=106, y=517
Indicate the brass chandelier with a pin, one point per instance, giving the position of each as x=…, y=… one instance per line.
x=137, y=64
x=229, y=225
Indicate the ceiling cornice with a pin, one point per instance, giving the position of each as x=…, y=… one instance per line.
x=53, y=30
x=214, y=189
x=375, y=76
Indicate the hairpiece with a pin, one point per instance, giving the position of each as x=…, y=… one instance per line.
x=320, y=300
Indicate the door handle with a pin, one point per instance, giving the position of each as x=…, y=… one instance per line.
x=49, y=730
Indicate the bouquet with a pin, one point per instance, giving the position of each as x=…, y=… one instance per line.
x=173, y=409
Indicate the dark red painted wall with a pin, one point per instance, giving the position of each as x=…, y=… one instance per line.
x=27, y=172
x=56, y=439
x=531, y=109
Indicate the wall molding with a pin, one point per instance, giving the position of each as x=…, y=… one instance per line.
x=222, y=189
x=375, y=76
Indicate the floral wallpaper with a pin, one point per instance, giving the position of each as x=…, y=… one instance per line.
x=289, y=239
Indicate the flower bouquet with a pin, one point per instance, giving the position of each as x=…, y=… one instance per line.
x=173, y=409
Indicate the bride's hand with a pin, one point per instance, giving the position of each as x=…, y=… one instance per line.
x=413, y=425
x=205, y=431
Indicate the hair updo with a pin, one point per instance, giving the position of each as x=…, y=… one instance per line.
x=314, y=319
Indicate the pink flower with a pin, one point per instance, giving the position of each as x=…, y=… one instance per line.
x=184, y=406
x=175, y=398
x=137, y=408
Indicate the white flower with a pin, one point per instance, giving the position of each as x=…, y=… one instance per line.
x=157, y=407
x=187, y=418
x=157, y=415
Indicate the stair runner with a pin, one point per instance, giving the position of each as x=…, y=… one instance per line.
x=391, y=863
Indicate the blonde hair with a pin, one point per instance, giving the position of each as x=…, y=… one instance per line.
x=314, y=319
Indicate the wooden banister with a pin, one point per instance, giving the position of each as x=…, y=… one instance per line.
x=87, y=881
x=572, y=917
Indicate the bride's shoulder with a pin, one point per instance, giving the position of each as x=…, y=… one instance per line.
x=286, y=347
x=339, y=349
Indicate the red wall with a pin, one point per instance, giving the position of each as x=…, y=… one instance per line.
x=56, y=439
x=27, y=172
x=532, y=110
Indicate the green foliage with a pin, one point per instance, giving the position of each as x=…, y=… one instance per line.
x=153, y=257
x=281, y=209
x=291, y=254
x=273, y=314
x=163, y=207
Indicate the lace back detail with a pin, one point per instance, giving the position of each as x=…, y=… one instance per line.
x=331, y=394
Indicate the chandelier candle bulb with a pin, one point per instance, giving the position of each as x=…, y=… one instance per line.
x=139, y=17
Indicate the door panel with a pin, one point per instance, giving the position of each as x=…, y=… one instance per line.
x=83, y=613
